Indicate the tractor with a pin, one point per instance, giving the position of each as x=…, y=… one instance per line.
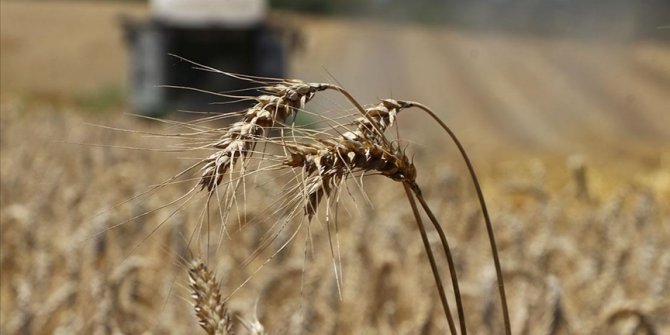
x=229, y=35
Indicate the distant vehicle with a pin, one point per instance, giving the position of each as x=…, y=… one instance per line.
x=230, y=35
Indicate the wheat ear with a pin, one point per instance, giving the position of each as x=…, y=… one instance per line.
x=282, y=101
x=210, y=307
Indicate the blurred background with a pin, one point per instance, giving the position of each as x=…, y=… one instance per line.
x=563, y=104
x=547, y=74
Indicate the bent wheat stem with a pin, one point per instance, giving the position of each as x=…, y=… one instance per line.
x=485, y=212
x=431, y=257
x=447, y=251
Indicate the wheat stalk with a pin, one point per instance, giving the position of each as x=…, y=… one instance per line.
x=326, y=162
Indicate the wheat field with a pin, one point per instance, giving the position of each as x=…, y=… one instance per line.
x=578, y=195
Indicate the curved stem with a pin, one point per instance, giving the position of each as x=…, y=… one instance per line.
x=347, y=95
x=358, y=106
x=482, y=202
x=447, y=252
x=431, y=258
